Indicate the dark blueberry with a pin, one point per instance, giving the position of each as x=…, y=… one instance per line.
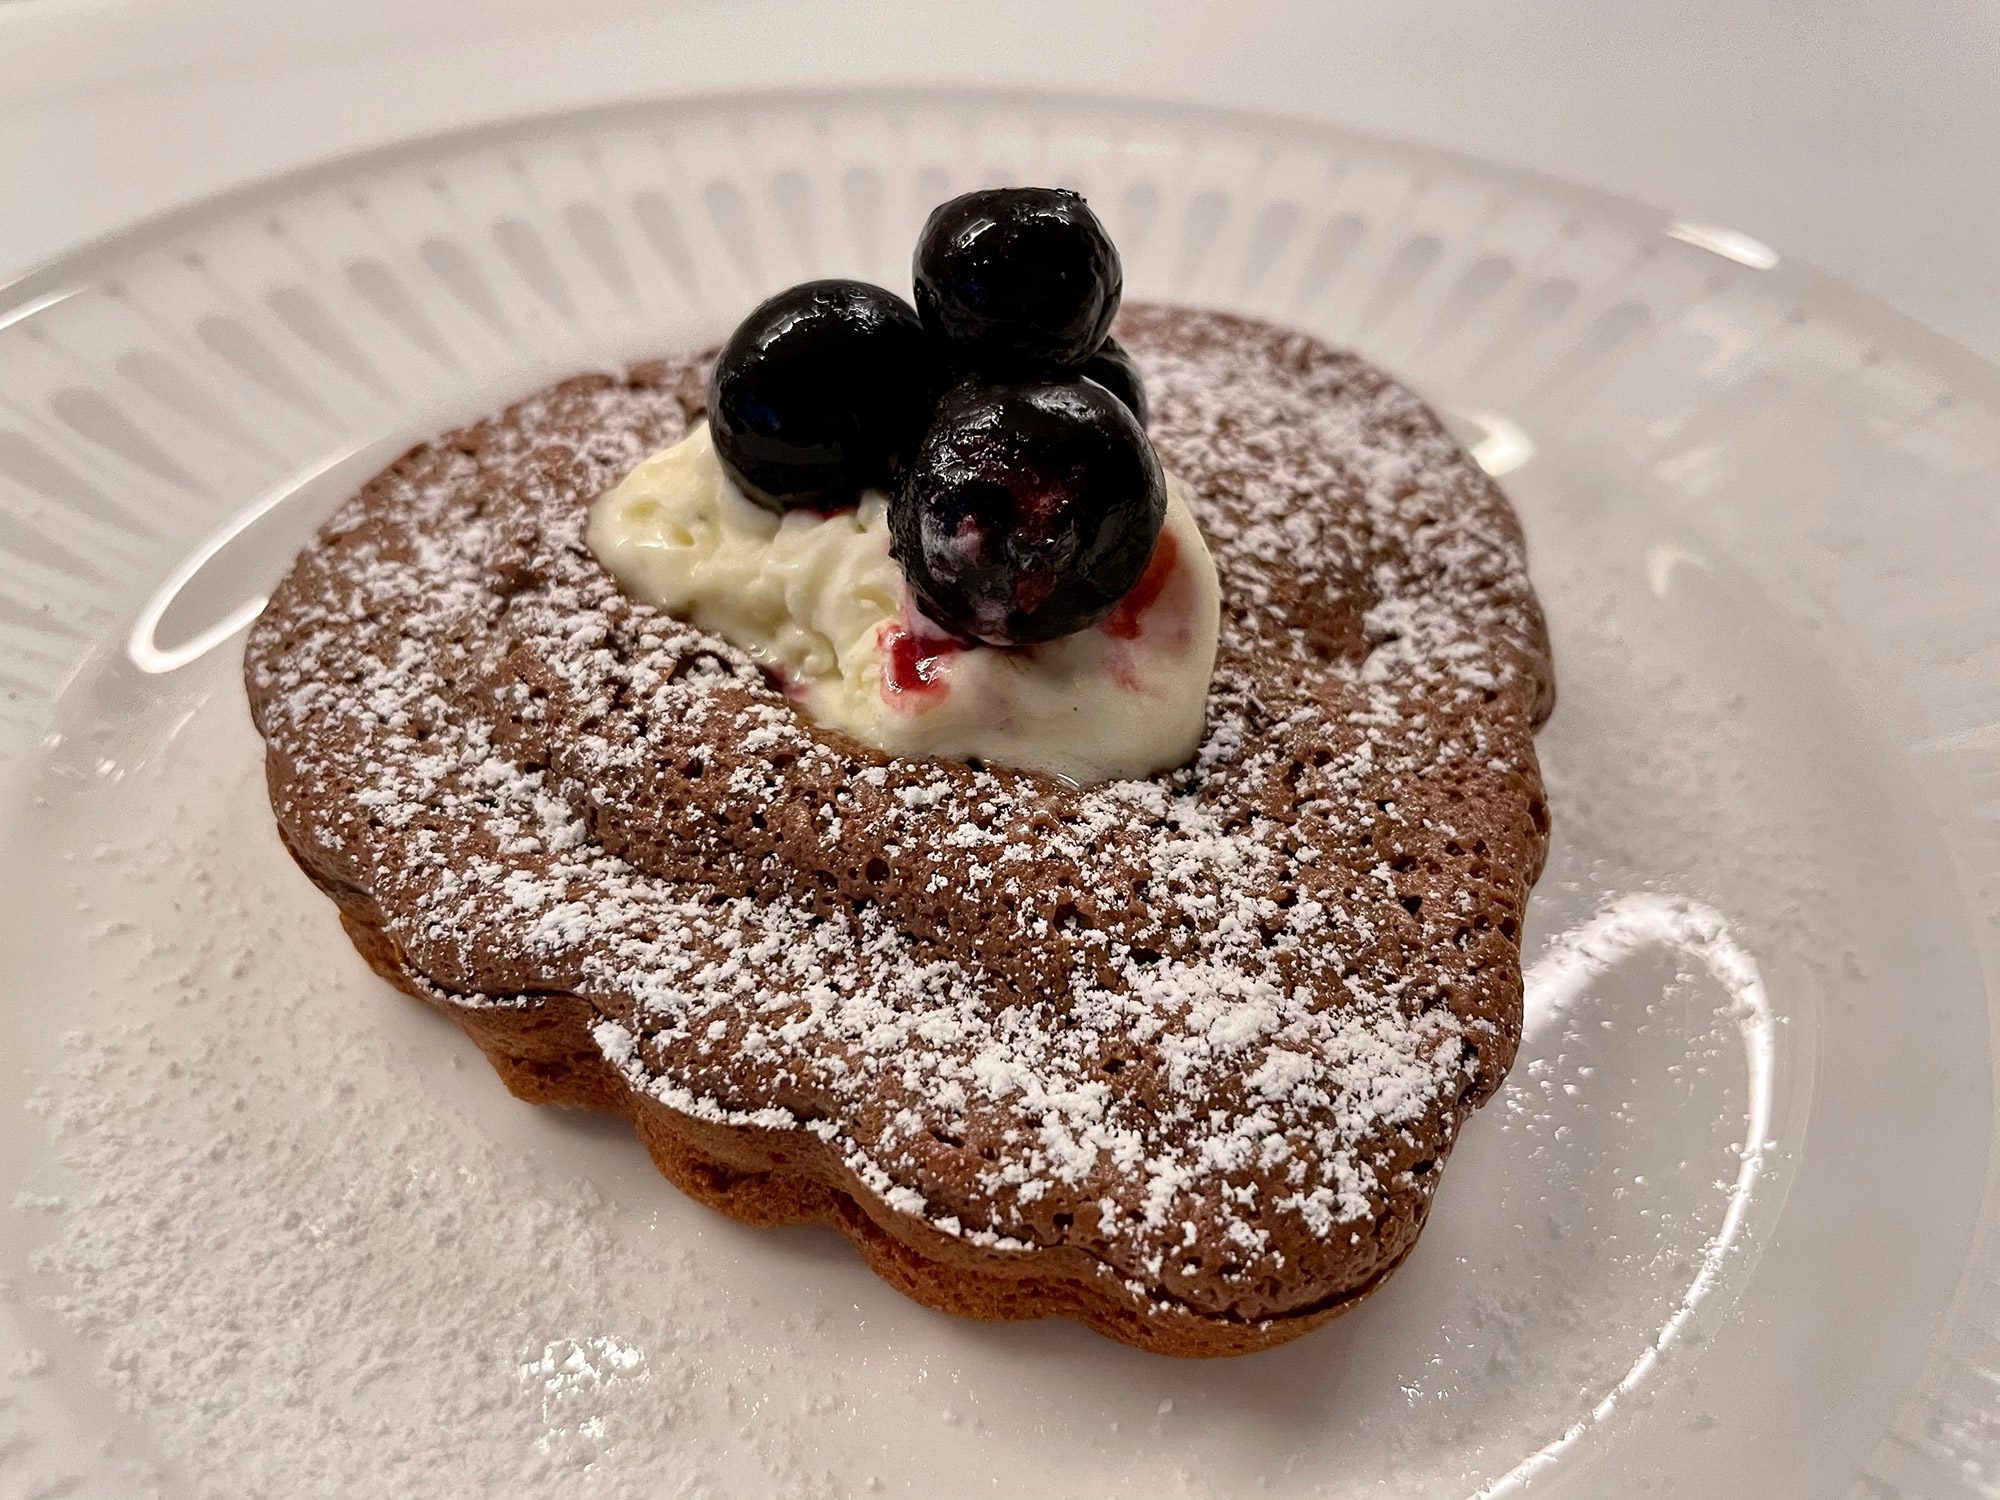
x=1029, y=510
x=1018, y=279
x=1115, y=370
x=821, y=393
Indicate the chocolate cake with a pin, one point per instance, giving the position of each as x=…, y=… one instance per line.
x=1182, y=1058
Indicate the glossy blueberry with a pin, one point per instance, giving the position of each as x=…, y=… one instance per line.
x=1028, y=511
x=1114, y=369
x=821, y=393
x=1018, y=279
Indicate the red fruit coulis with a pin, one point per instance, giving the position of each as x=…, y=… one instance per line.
x=913, y=658
x=912, y=662
x=1124, y=621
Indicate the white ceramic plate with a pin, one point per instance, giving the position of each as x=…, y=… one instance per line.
x=1730, y=1229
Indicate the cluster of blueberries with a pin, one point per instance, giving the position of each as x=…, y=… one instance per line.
x=1006, y=426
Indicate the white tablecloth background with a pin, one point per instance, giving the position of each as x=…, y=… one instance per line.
x=1861, y=135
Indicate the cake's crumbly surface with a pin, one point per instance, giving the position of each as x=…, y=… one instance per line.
x=1181, y=1057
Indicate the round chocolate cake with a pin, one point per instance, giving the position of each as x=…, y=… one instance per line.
x=1181, y=1057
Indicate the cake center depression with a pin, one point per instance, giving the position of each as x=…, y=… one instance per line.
x=817, y=599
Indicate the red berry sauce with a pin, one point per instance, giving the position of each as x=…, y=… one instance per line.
x=912, y=660
x=1124, y=622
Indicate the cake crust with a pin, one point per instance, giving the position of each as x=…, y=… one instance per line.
x=1182, y=1059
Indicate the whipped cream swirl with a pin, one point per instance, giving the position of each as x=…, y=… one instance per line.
x=819, y=602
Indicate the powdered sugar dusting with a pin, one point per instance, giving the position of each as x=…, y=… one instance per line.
x=1198, y=1026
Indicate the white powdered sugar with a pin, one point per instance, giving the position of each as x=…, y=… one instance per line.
x=1199, y=1090
x=294, y=1256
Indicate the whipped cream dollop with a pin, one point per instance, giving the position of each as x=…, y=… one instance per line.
x=818, y=601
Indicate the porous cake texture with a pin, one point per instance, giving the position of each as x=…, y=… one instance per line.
x=1182, y=1058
